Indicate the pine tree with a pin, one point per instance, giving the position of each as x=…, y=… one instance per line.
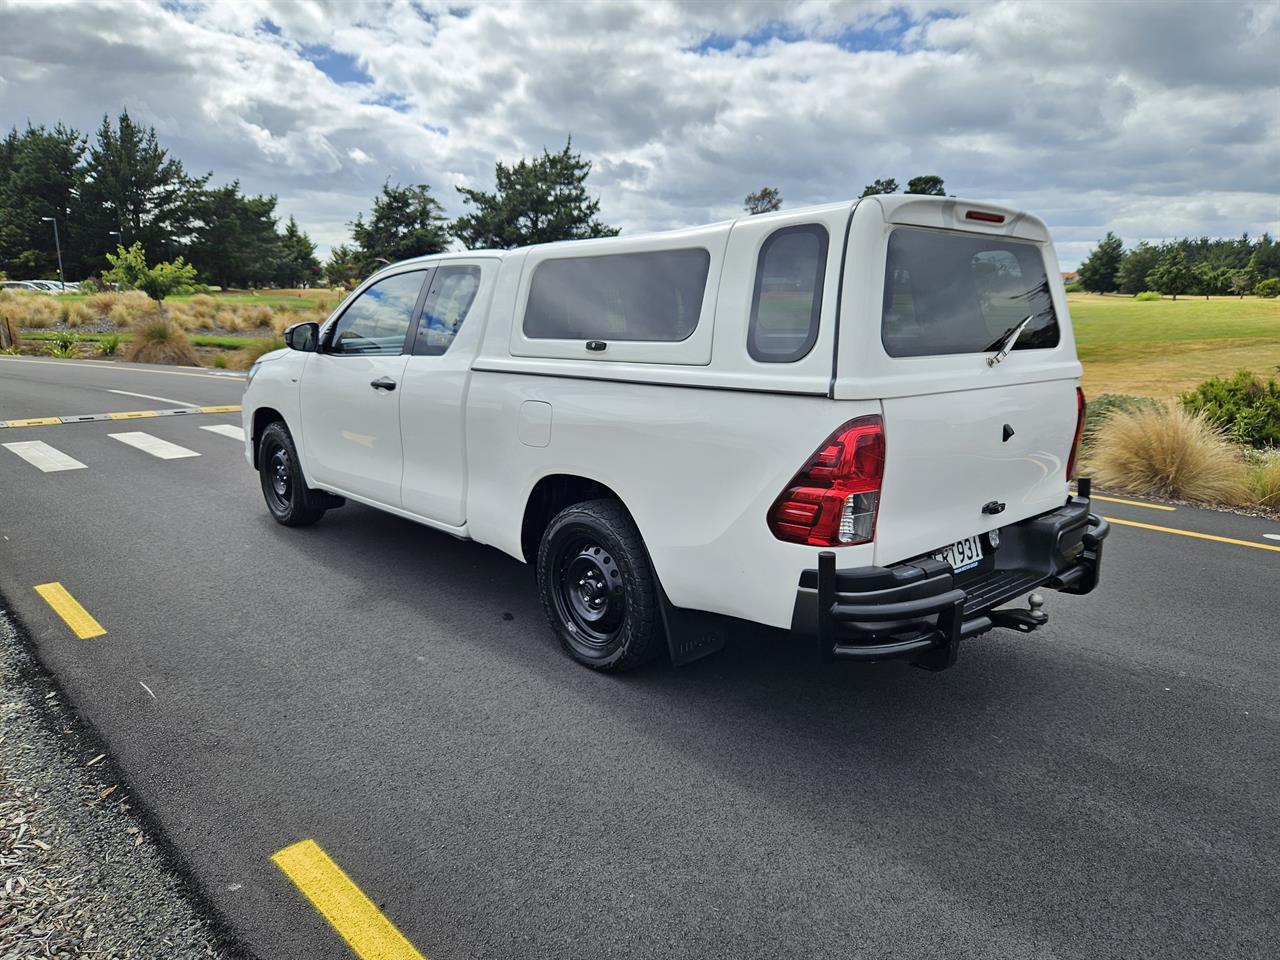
x=405, y=222
x=534, y=201
x=132, y=185
x=764, y=200
x=1099, y=271
x=297, y=266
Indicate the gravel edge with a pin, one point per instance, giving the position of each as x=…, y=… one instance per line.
x=82, y=873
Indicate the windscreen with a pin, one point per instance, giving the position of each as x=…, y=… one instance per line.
x=947, y=293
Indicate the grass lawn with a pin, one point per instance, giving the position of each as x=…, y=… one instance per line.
x=1160, y=348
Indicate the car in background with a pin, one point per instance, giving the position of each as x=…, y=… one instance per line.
x=27, y=285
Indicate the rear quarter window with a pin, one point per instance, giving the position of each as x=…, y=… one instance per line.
x=652, y=296
x=948, y=293
x=787, y=301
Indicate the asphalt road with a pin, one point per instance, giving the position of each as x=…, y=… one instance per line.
x=1104, y=788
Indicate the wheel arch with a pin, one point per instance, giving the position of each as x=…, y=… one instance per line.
x=552, y=494
x=263, y=417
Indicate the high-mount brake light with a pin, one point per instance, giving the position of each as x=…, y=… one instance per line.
x=984, y=216
x=833, y=500
x=1075, y=443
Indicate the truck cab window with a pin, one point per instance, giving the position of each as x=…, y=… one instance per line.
x=378, y=319
x=453, y=291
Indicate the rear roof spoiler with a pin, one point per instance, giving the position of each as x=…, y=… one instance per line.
x=951, y=213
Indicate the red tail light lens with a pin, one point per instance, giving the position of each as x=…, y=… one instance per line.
x=833, y=500
x=1075, y=444
x=984, y=217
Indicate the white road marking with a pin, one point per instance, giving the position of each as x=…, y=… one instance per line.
x=1272, y=536
x=44, y=457
x=153, y=445
x=227, y=430
x=147, y=396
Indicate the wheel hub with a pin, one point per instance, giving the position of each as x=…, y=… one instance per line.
x=280, y=481
x=591, y=591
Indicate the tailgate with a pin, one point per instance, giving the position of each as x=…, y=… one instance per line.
x=949, y=454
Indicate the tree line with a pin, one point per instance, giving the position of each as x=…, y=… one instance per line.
x=121, y=194
x=121, y=188
x=1201, y=266
x=538, y=200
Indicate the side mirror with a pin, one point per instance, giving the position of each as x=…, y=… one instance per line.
x=303, y=336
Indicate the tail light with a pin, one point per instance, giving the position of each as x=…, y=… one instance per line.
x=1075, y=444
x=832, y=501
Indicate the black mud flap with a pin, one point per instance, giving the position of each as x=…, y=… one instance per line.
x=691, y=634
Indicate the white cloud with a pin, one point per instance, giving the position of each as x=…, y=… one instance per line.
x=1149, y=119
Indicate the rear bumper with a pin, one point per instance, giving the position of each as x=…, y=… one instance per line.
x=921, y=610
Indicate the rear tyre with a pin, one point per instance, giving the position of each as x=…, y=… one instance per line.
x=598, y=588
x=289, y=499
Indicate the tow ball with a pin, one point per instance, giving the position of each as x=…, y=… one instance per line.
x=1022, y=620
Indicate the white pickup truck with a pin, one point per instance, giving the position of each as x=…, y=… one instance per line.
x=856, y=422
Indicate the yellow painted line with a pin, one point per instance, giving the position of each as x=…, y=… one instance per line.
x=134, y=415
x=227, y=409
x=68, y=608
x=1133, y=503
x=33, y=422
x=1192, y=533
x=368, y=933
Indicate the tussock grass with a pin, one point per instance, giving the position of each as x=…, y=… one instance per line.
x=245, y=356
x=30, y=311
x=79, y=314
x=160, y=340
x=1264, y=483
x=1168, y=452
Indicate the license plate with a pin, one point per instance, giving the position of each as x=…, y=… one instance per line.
x=963, y=554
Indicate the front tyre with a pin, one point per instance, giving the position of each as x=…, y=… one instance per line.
x=289, y=499
x=598, y=588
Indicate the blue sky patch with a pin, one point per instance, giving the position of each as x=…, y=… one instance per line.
x=773, y=30
x=338, y=67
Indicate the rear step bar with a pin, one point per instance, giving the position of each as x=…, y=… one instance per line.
x=915, y=611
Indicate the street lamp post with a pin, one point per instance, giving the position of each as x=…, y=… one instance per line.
x=62, y=277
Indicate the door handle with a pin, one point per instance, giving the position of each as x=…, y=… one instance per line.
x=383, y=383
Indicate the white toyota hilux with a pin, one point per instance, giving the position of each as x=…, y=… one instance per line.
x=856, y=422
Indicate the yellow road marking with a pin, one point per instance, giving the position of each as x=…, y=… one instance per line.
x=134, y=415
x=1133, y=503
x=68, y=608
x=1192, y=533
x=33, y=422
x=125, y=415
x=367, y=932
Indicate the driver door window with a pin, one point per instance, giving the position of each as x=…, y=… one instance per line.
x=377, y=322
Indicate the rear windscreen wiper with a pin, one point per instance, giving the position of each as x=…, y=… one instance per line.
x=1006, y=340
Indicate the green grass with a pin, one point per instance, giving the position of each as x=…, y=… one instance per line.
x=1161, y=348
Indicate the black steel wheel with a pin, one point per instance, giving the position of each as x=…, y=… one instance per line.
x=598, y=588
x=284, y=488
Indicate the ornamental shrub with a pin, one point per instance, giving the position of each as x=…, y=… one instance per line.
x=1244, y=406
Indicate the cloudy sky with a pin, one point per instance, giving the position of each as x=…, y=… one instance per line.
x=1152, y=119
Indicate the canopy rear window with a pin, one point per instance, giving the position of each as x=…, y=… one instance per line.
x=652, y=296
x=947, y=293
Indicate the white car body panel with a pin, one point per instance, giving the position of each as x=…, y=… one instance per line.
x=696, y=438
